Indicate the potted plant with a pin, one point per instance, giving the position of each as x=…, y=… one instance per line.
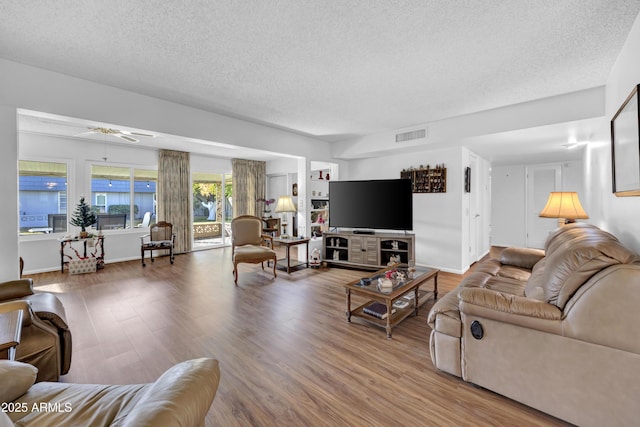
x=267, y=207
x=83, y=217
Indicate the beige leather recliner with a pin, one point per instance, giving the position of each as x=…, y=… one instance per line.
x=46, y=338
x=556, y=330
x=181, y=396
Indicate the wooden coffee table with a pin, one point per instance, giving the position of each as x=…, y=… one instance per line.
x=388, y=297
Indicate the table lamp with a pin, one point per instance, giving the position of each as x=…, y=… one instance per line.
x=565, y=206
x=285, y=205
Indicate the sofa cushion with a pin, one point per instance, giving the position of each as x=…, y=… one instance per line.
x=537, y=294
x=516, y=273
x=490, y=266
x=571, y=265
x=251, y=253
x=476, y=279
x=536, y=280
x=15, y=379
x=506, y=285
x=5, y=421
x=521, y=257
x=76, y=404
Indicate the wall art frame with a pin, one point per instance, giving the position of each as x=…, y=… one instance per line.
x=625, y=147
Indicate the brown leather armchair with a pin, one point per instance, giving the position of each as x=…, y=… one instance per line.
x=46, y=338
x=247, y=243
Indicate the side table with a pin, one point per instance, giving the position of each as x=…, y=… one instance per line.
x=10, y=331
x=96, y=250
x=292, y=241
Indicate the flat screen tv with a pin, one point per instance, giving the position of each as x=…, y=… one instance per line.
x=376, y=204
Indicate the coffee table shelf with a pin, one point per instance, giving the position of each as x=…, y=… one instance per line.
x=400, y=313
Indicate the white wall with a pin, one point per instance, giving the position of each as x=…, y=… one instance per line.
x=618, y=215
x=509, y=199
x=36, y=89
x=9, y=265
x=439, y=219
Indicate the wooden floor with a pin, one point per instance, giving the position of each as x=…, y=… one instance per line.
x=287, y=355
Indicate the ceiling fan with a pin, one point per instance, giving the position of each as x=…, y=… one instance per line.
x=122, y=134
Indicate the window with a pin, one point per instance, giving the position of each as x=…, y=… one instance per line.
x=211, y=208
x=42, y=197
x=123, y=197
x=144, y=197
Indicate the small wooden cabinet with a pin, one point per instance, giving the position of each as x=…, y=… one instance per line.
x=364, y=250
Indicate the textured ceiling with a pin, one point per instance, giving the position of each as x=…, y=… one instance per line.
x=331, y=69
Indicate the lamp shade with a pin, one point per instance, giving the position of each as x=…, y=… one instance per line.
x=285, y=204
x=563, y=204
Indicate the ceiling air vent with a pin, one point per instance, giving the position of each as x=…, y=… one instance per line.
x=410, y=136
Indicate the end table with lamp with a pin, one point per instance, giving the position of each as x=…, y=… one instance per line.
x=284, y=206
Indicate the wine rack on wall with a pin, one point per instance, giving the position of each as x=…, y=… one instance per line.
x=427, y=180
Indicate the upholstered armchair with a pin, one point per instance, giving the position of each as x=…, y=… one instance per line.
x=248, y=243
x=46, y=338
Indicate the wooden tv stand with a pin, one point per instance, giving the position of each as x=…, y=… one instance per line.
x=367, y=250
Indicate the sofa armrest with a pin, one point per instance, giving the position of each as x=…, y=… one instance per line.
x=7, y=307
x=511, y=309
x=508, y=303
x=521, y=257
x=48, y=307
x=181, y=396
x=16, y=289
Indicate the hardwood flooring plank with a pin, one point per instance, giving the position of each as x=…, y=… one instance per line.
x=287, y=355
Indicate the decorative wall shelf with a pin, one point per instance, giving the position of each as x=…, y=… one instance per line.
x=427, y=180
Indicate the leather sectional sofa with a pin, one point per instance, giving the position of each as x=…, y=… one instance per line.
x=557, y=330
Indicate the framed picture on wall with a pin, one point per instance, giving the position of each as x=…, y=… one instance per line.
x=625, y=147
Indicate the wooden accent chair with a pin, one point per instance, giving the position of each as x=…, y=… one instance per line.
x=247, y=243
x=160, y=237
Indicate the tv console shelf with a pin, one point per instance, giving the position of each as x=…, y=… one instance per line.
x=367, y=250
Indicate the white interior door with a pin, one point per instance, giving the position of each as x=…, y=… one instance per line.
x=541, y=180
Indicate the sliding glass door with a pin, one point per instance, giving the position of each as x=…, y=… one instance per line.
x=212, y=209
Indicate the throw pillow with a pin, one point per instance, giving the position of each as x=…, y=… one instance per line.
x=15, y=379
